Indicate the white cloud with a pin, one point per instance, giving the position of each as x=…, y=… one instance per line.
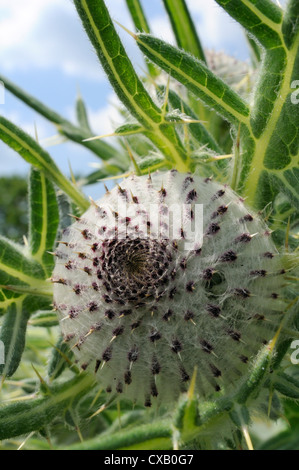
x=160, y=27
x=48, y=34
x=45, y=34
x=216, y=28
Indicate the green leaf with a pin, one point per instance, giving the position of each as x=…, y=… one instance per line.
x=33, y=414
x=261, y=18
x=255, y=376
x=65, y=127
x=43, y=219
x=82, y=116
x=275, y=159
x=44, y=318
x=156, y=435
x=12, y=335
x=196, y=77
x=58, y=360
x=151, y=162
x=127, y=85
x=34, y=154
x=17, y=266
x=183, y=27
x=20, y=275
x=287, y=385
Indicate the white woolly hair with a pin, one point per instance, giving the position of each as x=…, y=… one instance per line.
x=142, y=301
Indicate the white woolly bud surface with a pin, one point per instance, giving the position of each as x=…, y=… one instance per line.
x=143, y=299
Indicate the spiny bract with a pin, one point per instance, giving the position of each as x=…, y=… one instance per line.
x=143, y=299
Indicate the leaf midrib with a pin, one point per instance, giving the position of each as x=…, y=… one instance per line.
x=229, y=109
x=264, y=19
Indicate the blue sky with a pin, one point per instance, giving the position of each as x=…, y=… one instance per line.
x=44, y=49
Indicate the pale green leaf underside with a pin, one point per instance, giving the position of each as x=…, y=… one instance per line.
x=44, y=219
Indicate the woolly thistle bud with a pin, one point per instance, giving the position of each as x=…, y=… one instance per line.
x=164, y=274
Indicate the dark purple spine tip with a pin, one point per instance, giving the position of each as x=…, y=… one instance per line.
x=188, y=315
x=244, y=359
x=93, y=306
x=208, y=274
x=184, y=376
x=77, y=290
x=213, y=229
x=133, y=354
x=190, y=286
x=258, y=273
x=206, y=346
x=176, y=346
x=246, y=218
x=235, y=335
x=118, y=331
x=213, y=310
x=109, y=314
x=107, y=354
x=191, y=196
x=220, y=211
x=154, y=336
x=243, y=238
x=86, y=234
x=128, y=377
x=244, y=293
x=97, y=366
x=219, y=194
x=228, y=256
x=167, y=315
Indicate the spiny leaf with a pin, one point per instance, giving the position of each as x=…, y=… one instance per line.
x=12, y=335
x=21, y=274
x=59, y=359
x=261, y=18
x=44, y=318
x=101, y=149
x=43, y=219
x=33, y=414
x=196, y=77
x=17, y=266
x=34, y=154
x=287, y=385
x=127, y=85
x=157, y=435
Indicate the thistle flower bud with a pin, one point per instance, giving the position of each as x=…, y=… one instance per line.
x=164, y=274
